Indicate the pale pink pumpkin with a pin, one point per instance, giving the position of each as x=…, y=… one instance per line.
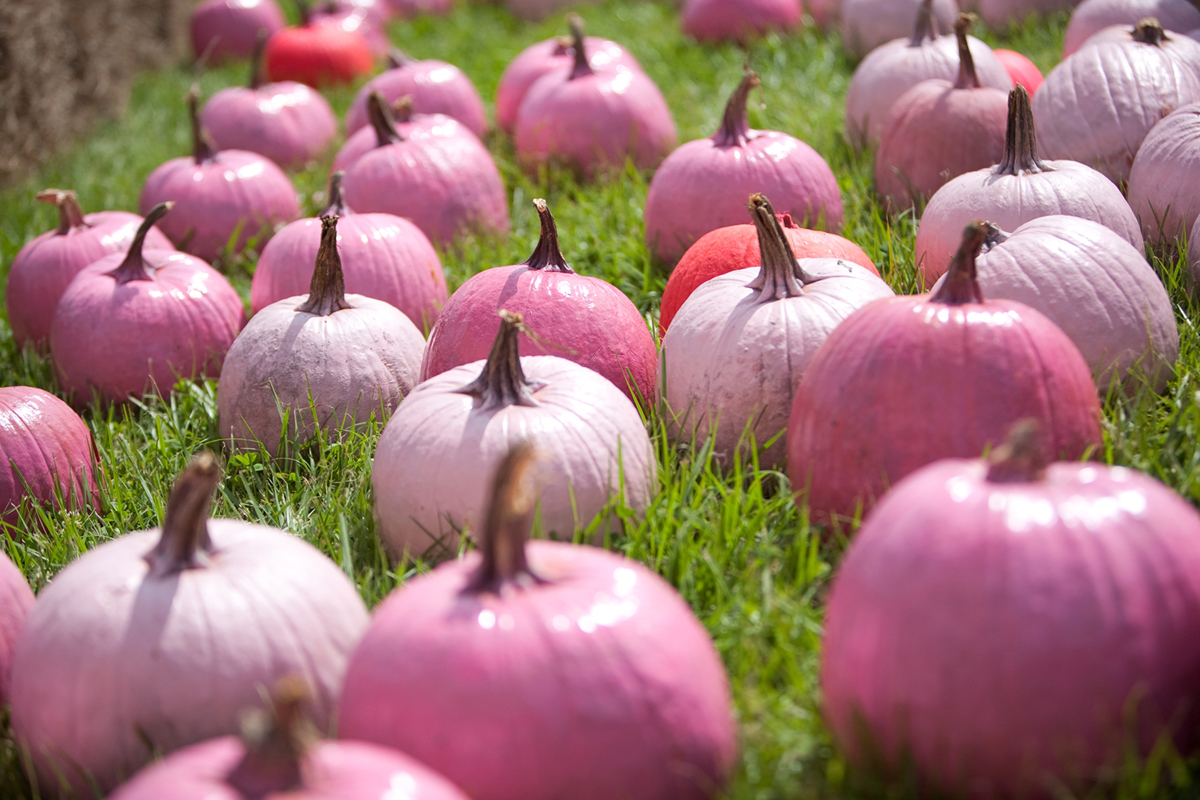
x=140, y=322
x=159, y=639
x=704, y=184
x=16, y=599
x=1163, y=176
x=938, y=130
x=223, y=29
x=867, y=24
x=44, y=267
x=1022, y=187
x=585, y=320
x=1016, y=629
x=408, y=125
x=1092, y=16
x=741, y=342
x=540, y=670
x=737, y=20
x=436, y=456
x=907, y=381
x=218, y=194
x=434, y=86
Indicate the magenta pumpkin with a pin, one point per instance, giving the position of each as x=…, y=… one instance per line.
x=447, y=185
x=539, y=670
x=1016, y=629
x=219, y=194
x=408, y=125
x=44, y=267
x=704, y=184
x=159, y=639
x=1163, y=177
x=224, y=29
x=586, y=320
x=434, y=86
x=867, y=24
x=16, y=599
x=46, y=453
x=907, y=381
x=1092, y=16
x=140, y=322
x=937, y=131
x=737, y=20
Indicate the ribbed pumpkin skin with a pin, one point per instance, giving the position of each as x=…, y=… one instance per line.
x=866, y=24
x=908, y=381
x=16, y=598
x=997, y=634
x=436, y=87
x=737, y=20
x=287, y=122
x=1163, y=177
x=225, y=29
x=1092, y=16
x=418, y=126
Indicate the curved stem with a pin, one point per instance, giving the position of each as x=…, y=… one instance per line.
x=780, y=275
x=380, y=117
x=337, y=196
x=926, y=25
x=962, y=285
x=327, y=291
x=967, y=79
x=582, y=68
x=1020, y=138
x=184, y=543
x=993, y=236
x=506, y=527
x=735, y=125
x=547, y=255
x=1149, y=31
x=402, y=109
x=1022, y=457
x=70, y=215
x=276, y=741
x=502, y=382
x=203, y=149
x=397, y=58
x=260, y=44
x=133, y=268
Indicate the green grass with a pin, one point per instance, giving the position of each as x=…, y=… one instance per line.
x=735, y=544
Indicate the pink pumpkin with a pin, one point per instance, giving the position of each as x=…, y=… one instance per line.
x=907, y=381
x=383, y=257
x=15, y=601
x=937, y=131
x=448, y=186
x=1022, y=71
x=223, y=29
x=408, y=125
x=867, y=24
x=1092, y=16
x=1016, y=629
x=159, y=639
x=1162, y=178
x=704, y=184
x=324, y=360
x=47, y=453
x=586, y=320
x=741, y=342
x=434, y=86
x=540, y=670
x=219, y=194
x=140, y=322
x=1022, y=187
x=593, y=121
x=825, y=13
x=737, y=20
x=44, y=267
x=463, y=421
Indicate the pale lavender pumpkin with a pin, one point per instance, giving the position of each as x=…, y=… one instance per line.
x=44, y=267
x=736, y=351
x=704, y=184
x=408, y=125
x=140, y=322
x=1097, y=106
x=542, y=670
x=218, y=194
x=1012, y=629
x=1162, y=180
x=224, y=29
x=891, y=69
x=327, y=360
x=737, y=20
x=383, y=256
x=1022, y=187
x=593, y=121
x=448, y=186
x=159, y=639
x=434, y=86
x=288, y=122
x=867, y=24
x=462, y=422
x=1092, y=16
x=16, y=599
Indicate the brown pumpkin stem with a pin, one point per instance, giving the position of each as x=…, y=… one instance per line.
x=397, y=58
x=256, y=57
x=506, y=526
x=184, y=543
x=203, y=149
x=1020, y=139
x=133, y=268
x=327, y=291
x=962, y=285
x=70, y=215
x=502, y=382
x=1022, y=457
x=304, y=9
x=562, y=45
x=402, y=109
x=925, y=26
x=337, y=195
x=547, y=255
x=993, y=236
x=582, y=68
x=735, y=125
x=1149, y=31
x=380, y=117
x=276, y=742
x=780, y=275
x=967, y=79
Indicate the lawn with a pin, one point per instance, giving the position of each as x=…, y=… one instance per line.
x=735, y=544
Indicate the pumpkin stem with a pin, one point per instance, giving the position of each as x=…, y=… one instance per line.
x=502, y=382
x=256, y=71
x=184, y=543
x=276, y=741
x=305, y=10
x=547, y=255
x=926, y=25
x=582, y=68
x=1149, y=31
x=402, y=109
x=506, y=526
x=70, y=215
x=780, y=275
x=962, y=284
x=397, y=58
x=993, y=236
x=380, y=117
x=327, y=291
x=967, y=79
x=1022, y=457
x=735, y=125
x=203, y=149
x=1020, y=140
x=133, y=268
x=562, y=45
x=337, y=195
